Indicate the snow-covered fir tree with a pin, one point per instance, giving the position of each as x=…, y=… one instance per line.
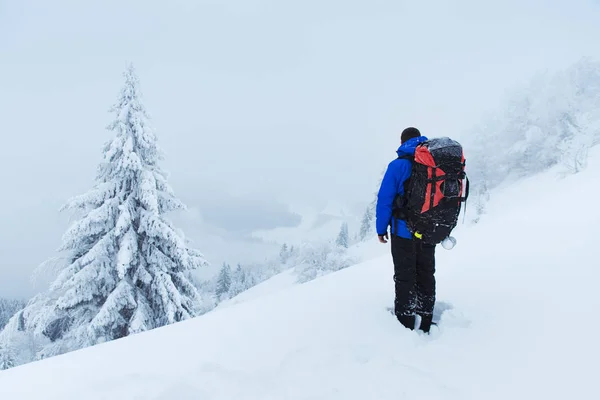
x=284, y=253
x=480, y=196
x=320, y=258
x=224, y=281
x=367, y=224
x=239, y=282
x=8, y=308
x=126, y=269
x=343, y=237
x=7, y=356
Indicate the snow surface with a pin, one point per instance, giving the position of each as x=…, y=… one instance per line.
x=521, y=288
x=288, y=278
x=275, y=284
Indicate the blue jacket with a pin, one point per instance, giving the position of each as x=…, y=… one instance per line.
x=392, y=184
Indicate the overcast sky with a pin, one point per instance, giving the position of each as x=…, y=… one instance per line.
x=259, y=104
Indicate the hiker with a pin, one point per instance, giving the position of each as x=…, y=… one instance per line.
x=414, y=260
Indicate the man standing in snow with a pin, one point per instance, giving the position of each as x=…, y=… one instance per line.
x=414, y=261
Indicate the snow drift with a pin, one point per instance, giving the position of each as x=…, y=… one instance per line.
x=517, y=296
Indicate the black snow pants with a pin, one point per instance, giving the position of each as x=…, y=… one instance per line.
x=414, y=269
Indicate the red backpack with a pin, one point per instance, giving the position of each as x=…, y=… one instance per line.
x=435, y=191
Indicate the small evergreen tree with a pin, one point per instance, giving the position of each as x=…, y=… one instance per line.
x=7, y=357
x=343, y=237
x=284, y=253
x=224, y=281
x=8, y=308
x=127, y=269
x=481, y=196
x=320, y=258
x=238, y=282
x=367, y=223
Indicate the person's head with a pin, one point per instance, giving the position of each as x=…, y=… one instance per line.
x=408, y=134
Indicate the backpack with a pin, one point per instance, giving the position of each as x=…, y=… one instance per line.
x=434, y=193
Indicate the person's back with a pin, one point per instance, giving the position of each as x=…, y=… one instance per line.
x=414, y=261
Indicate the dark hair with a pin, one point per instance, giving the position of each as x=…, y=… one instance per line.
x=409, y=133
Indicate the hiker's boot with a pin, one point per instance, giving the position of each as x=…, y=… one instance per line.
x=426, y=322
x=407, y=320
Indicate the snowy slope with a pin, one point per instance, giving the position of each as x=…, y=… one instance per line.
x=288, y=278
x=522, y=292
x=279, y=282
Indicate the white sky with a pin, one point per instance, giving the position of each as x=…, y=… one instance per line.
x=283, y=102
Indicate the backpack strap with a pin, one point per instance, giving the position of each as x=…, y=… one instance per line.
x=464, y=199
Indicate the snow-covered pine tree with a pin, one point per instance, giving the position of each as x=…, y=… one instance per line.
x=575, y=143
x=343, y=237
x=127, y=269
x=7, y=357
x=320, y=258
x=284, y=253
x=367, y=224
x=238, y=282
x=224, y=281
x=481, y=196
x=8, y=308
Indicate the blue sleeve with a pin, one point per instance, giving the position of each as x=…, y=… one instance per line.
x=391, y=185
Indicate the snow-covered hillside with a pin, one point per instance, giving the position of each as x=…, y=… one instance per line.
x=554, y=120
x=518, y=294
